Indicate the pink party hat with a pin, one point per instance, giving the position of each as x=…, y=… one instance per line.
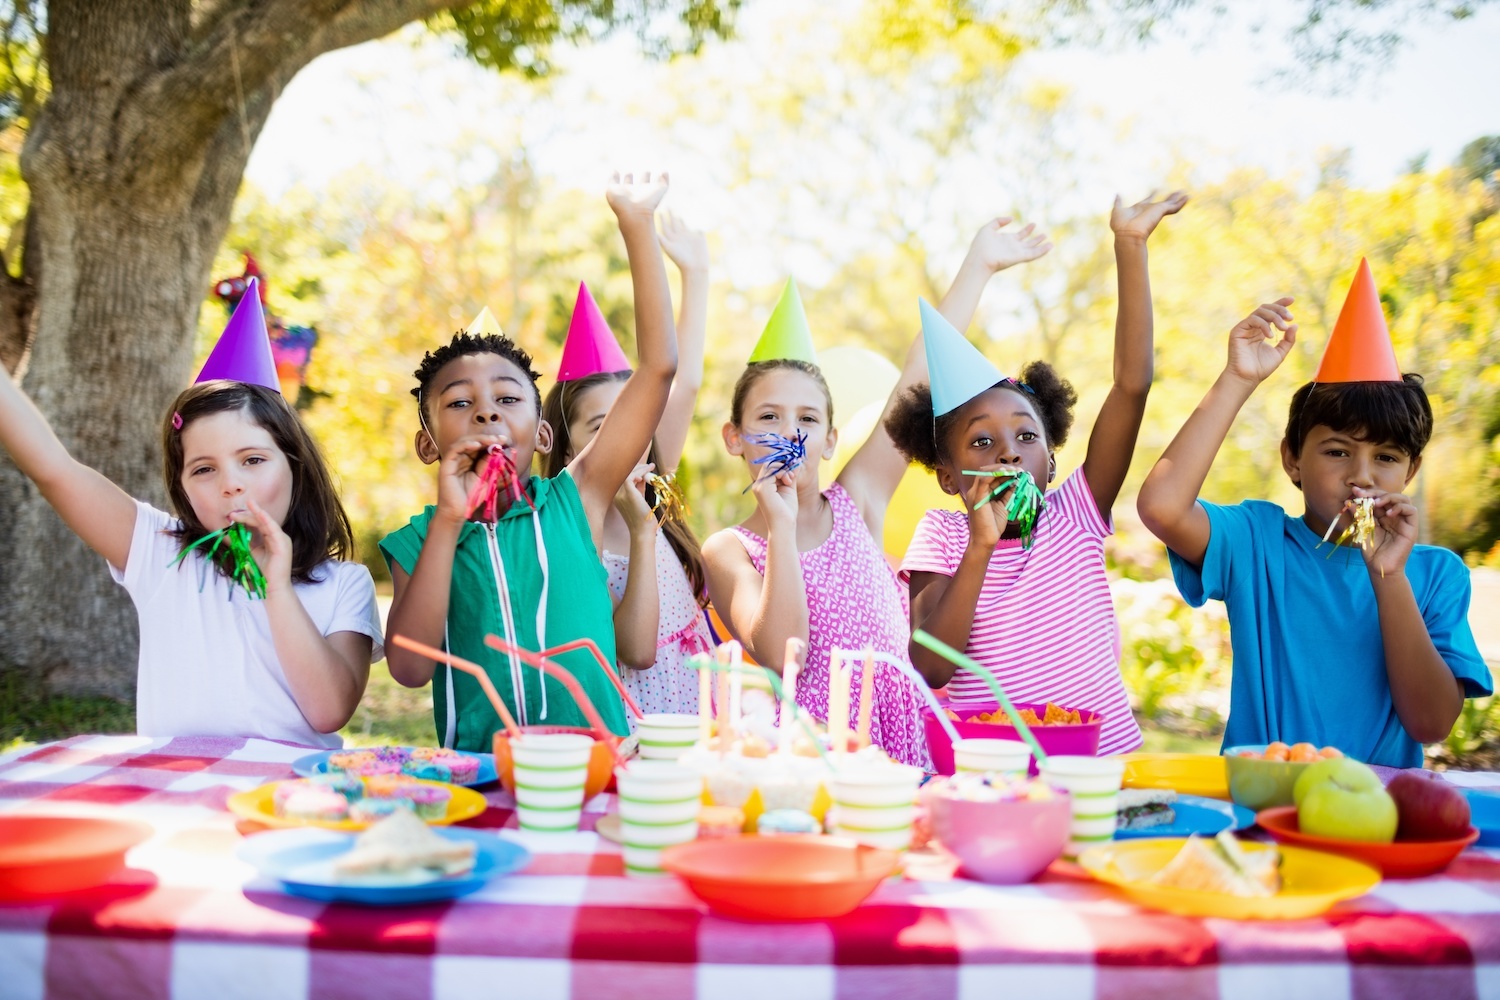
x=590, y=348
x=243, y=353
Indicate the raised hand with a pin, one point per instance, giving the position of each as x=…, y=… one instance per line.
x=1253, y=355
x=1396, y=529
x=636, y=198
x=986, y=524
x=686, y=246
x=997, y=248
x=275, y=544
x=1140, y=220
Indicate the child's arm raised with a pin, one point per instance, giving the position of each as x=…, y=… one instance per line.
x=762, y=612
x=1168, y=502
x=689, y=251
x=875, y=470
x=97, y=510
x=419, y=609
x=605, y=462
x=327, y=674
x=1112, y=443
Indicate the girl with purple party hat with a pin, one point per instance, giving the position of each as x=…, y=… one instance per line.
x=251, y=621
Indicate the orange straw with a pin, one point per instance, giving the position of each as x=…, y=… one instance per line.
x=437, y=655
x=589, y=645
x=546, y=666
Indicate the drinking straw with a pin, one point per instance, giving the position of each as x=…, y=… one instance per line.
x=705, y=697
x=437, y=655
x=704, y=663
x=554, y=652
x=952, y=655
x=546, y=666
x=923, y=688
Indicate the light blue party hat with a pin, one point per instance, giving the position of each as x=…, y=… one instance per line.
x=956, y=371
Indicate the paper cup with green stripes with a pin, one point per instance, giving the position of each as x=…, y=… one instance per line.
x=1006, y=757
x=1093, y=785
x=550, y=773
x=874, y=803
x=664, y=736
x=659, y=803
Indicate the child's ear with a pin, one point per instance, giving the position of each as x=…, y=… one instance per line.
x=947, y=482
x=1291, y=463
x=1411, y=473
x=1051, y=466
x=831, y=444
x=427, y=449
x=733, y=443
x=543, y=438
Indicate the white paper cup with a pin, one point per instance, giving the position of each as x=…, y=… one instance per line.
x=550, y=772
x=659, y=803
x=1007, y=757
x=874, y=803
x=666, y=737
x=1093, y=786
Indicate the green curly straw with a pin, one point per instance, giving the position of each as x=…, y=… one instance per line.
x=1026, y=501
x=243, y=570
x=703, y=661
x=952, y=655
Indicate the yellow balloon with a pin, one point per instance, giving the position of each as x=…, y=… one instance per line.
x=856, y=378
x=918, y=493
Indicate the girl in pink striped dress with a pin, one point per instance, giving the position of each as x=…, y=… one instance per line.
x=1039, y=616
x=806, y=564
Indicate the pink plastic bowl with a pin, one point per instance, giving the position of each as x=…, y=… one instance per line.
x=1001, y=842
x=1080, y=740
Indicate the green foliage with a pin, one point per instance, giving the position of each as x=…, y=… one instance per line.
x=1173, y=658
x=29, y=714
x=1477, y=728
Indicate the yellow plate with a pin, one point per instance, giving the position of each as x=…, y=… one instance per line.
x=1186, y=773
x=258, y=805
x=1311, y=881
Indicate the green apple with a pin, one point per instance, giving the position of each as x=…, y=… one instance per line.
x=1344, y=800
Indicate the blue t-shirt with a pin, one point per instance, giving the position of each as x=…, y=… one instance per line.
x=1309, y=663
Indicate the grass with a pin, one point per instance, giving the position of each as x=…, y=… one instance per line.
x=29, y=715
x=1166, y=741
x=390, y=714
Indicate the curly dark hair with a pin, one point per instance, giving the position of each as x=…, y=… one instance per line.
x=917, y=435
x=1394, y=412
x=462, y=345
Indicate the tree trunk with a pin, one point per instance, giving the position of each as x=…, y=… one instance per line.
x=133, y=165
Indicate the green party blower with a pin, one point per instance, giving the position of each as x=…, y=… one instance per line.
x=953, y=656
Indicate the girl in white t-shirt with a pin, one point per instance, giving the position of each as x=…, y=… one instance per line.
x=215, y=661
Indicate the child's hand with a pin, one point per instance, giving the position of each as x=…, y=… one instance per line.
x=630, y=500
x=1395, y=532
x=1252, y=355
x=459, y=471
x=276, y=563
x=687, y=247
x=777, y=499
x=1140, y=220
x=997, y=248
x=636, y=199
x=986, y=524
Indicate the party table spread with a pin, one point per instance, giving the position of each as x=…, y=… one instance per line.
x=187, y=919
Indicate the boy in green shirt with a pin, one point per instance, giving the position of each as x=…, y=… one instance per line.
x=534, y=575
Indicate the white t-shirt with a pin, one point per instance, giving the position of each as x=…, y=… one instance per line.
x=208, y=666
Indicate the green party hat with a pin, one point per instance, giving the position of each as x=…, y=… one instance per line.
x=786, y=336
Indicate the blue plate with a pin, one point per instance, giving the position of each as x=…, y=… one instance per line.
x=301, y=862
x=1484, y=814
x=317, y=763
x=1199, y=815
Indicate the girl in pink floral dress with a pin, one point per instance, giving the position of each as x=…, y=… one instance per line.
x=806, y=564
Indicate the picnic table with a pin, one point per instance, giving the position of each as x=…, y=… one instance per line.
x=187, y=920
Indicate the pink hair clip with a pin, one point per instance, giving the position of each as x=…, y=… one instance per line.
x=176, y=421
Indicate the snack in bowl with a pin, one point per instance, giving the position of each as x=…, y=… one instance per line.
x=1296, y=753
x=1222, y=866
x=1054, y=715
x=1428, y=807
x=401, y=845
x=1342, y=799
x=1144, y=808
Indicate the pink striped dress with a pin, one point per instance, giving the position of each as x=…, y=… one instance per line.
x=1044, y=622
x=853, y=601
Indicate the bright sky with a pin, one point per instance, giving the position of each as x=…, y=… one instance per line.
x=400, y=107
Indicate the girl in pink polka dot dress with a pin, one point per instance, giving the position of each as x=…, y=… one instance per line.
x=807, y=564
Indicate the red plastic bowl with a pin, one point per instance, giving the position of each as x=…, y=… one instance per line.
x=1080, y=740
x=50, y=855
x=1401, y=859
x=797, y=877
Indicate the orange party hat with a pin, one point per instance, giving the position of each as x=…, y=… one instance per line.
x=1360, y=348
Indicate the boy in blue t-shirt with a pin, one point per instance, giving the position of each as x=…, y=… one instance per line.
x=1373, y=654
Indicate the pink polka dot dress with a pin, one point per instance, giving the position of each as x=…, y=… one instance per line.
x=670, y=685
x=853, y=600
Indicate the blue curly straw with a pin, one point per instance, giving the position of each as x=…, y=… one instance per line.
x=786, y=454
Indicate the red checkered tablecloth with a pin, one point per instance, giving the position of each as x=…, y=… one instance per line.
x=188, y=920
